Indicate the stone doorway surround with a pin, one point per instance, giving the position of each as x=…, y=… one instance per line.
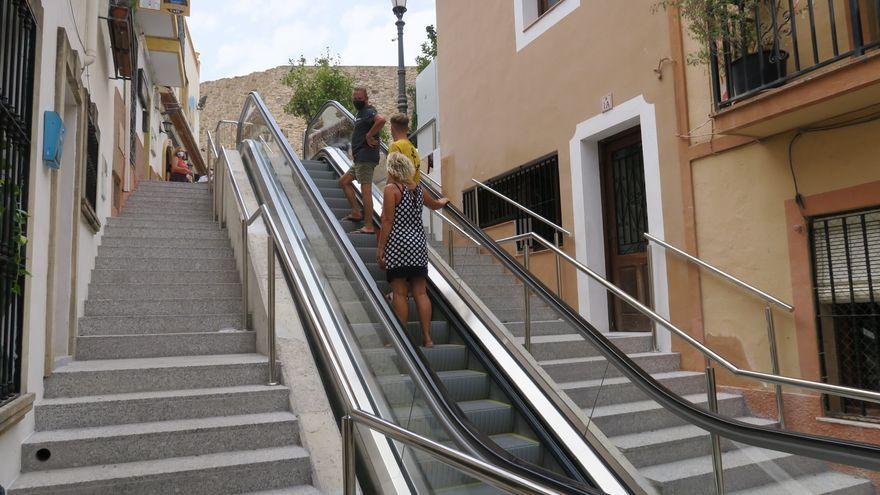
x=587, y=206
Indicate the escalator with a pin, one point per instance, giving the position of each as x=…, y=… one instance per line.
x=471, y=391
x=453, y=393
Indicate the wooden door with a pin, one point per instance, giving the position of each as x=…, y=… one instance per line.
x=625, y=213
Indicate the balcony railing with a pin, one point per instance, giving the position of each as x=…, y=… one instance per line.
x=763, y=44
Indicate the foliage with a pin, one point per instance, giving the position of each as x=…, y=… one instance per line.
x=314, y=85
x=414, y=118
x=19, y=223
x=730, y=27
x=429, y=49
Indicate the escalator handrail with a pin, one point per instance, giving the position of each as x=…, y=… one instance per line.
x=832, y=450
x=443, y=407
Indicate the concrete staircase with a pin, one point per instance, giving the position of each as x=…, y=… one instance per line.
x=672, y=455
x=165, y=394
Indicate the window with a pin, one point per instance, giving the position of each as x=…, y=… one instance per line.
x=534, y=185
x=545, y=5
x=846, y=271
x=91, y=173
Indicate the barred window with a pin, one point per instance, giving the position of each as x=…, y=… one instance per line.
x=534, y=185
x=91, y=173
x=545, y=5
x=846, y=272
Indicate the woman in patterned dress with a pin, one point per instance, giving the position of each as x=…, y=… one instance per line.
x=403, y=249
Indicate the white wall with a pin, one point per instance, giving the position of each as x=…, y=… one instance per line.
x=96, y=79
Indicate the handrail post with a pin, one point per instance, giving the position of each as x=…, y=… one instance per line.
x=349, y=479
x=558, y=267
x=451, y=248
x=244, y=273
x=654, y=345
x=527, y=316
x=774, y=362
x=271, y=309
x=717, y=465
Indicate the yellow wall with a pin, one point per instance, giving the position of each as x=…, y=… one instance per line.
x=501, y=108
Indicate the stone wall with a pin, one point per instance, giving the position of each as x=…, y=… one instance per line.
x=226, y=96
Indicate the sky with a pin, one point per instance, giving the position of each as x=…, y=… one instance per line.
x=237, y=37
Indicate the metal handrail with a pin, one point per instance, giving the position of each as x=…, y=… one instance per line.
x=557, y=228
x=839, y=390
x=717, y=271
x=498, y=477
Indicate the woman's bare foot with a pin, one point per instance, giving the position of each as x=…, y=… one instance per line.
x=428, y=342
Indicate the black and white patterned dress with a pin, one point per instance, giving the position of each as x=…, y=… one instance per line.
x=406, y=251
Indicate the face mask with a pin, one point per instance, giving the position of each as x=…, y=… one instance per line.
x=180, y=155
x=359, y=104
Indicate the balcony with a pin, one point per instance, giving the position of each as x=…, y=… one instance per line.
x=161, y=32
x=781, y=64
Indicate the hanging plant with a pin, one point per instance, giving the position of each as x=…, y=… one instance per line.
x=19, y=224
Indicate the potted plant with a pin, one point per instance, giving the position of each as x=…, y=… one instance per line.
x=742, y=34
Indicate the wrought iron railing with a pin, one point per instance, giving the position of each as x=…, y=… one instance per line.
x=17, y=52
x=763, y=44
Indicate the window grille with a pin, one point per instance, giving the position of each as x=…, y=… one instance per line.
x=846, y=272
x=91, y=175
x=535, y=186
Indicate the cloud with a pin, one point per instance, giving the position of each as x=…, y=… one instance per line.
x=236, y=37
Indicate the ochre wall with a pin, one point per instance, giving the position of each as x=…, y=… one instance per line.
x=502, y=108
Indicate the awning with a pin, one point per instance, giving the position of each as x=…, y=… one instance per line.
x=189, y=142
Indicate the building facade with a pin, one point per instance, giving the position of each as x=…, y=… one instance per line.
x=615, y=119
x=81, y=111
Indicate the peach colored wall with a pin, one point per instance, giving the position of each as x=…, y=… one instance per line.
x=502, y=108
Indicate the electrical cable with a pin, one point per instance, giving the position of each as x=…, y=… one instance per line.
x=798, y=197
x=82, y=45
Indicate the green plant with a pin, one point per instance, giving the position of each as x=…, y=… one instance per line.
x=429, y=50
x=314, y=84
x=730, y=27
x=414, y=119
x=19, y=224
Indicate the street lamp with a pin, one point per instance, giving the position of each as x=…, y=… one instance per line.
x=399, y=7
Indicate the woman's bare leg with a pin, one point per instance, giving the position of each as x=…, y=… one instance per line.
x=399, y=302
x=423, y=306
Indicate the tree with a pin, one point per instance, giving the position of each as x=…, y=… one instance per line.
x=314, y=85
x=429, y=49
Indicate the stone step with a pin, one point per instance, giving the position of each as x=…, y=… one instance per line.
x=167, y=275
x=179, y=262
x=226, y=472
x=158, y=209
x=157, y=440
x=168, y=223
x=651, y=447
x=539, y=328
x=536, y=315
x=120, y=376
x=460, y=384
x=105, y=252
x=184, y=305
x=173, y=204
x=648, y=415
x=167, y=191
x=480, y=282
x=165, y=185
x=294, y=490
x=744, y=468
x=573, y=369
x=164, y=233
x=824, y=483
x=511, y=301
x=550, y=347
x=183, y=243
x=468, y=272
x=145, y=407
x=161, y=291
x=442, y=357
x=619, y=390
x=125, y=325
x=163, y=345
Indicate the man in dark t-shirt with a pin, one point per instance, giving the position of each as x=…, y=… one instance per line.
x=365, y=151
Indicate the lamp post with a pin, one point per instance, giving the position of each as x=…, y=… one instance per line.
x=399, y=7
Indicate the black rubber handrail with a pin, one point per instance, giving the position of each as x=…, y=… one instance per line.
x=847, y=452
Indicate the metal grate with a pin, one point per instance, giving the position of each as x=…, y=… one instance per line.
x=534, y=185
x=628, y=176
x=92, y=164
x=17, y=51
x=846, y=272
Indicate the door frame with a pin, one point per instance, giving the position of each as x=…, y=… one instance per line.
x=587, y=207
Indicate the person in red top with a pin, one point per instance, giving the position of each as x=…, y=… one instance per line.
x=179, y=170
